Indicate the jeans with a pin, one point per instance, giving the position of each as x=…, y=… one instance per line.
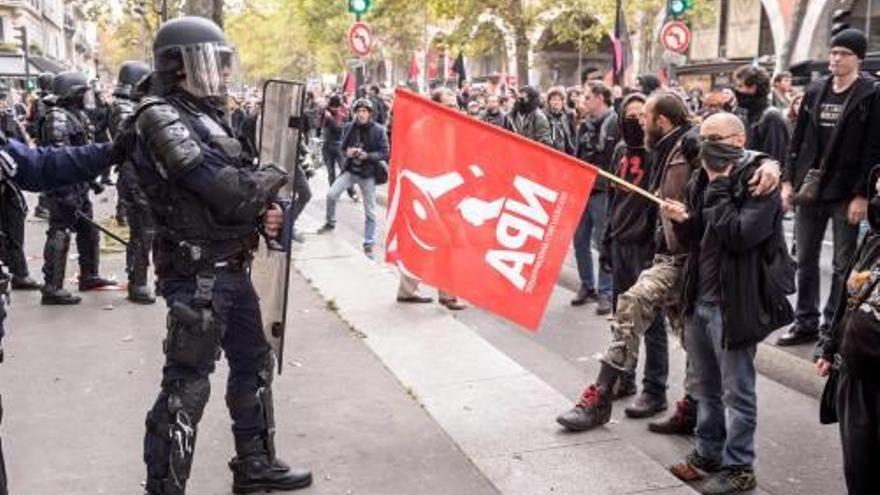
x=724, y=385
x=367, y=186
x=592, y=228
x=627, y=261
x=332, y=159
x=810, y=224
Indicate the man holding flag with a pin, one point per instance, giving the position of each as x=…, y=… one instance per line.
x=666, y=121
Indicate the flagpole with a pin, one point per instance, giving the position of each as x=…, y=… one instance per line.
x=626, y=185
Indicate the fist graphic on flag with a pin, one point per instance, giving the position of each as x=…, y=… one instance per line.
x=479, y=212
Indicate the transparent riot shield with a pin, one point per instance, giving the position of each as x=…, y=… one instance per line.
x=279, y=142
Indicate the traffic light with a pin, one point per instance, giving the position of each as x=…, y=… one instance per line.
x=678, y=8
x=358, y=7
x=839, y=21
x=21, y=37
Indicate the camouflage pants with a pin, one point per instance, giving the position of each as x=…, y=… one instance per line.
x=658, y=288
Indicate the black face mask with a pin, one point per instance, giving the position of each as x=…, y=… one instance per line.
x=717, y=156
x=874, y=213
x=748, y=101
x=633, y=134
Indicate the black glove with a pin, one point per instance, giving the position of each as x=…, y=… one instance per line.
x=123, y=145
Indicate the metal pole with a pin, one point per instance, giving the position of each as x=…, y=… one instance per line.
x=164, y=10
x=27, y=59
x=868, y=13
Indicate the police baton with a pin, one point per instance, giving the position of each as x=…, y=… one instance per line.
x=94, y=224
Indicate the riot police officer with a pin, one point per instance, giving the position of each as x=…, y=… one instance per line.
x=36, y=115
x=131, y=197
x=70, y=208
x=13, y=208
x=38, y=170
x=210, y=205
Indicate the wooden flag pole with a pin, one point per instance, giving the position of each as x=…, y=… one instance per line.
x=620, y=182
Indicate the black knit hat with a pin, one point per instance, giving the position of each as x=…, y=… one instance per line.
x=852, y=39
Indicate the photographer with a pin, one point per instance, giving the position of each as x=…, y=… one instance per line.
x=365, y=146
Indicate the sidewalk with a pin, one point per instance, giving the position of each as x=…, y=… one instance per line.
x=79, y=380
x=494, y=409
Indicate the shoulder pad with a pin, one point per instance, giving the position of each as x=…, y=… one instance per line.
x=170, y=141
x=56, y=126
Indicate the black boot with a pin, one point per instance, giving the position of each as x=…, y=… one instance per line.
x=682, y=422
x=93, y=282
x=25, y=283
x=592, y=410
x=141, y=294
x=255, y=470
x=55, y=264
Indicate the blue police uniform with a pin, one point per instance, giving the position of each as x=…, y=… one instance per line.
x=207, y=200
x=38, y=170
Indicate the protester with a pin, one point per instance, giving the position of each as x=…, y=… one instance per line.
x=527, y=119
x=666, y=122
x=493, y=113
x=628, y=247
x=365, y=146
x=766, y=128
x=562, y=130
x=408, y=288
x=334, y=118
x=782, y=90
x=596, y=139
x=853, y=337
x=718, y=100
x=833, y=149
x=380, y=108
x=729, y=232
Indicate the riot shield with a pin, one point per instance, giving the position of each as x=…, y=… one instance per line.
x=279, y=142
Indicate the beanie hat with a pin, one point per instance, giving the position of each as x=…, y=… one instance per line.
x=852, y=39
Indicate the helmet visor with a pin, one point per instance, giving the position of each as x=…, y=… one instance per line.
x=207, y=67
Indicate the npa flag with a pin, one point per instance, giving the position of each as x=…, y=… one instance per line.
x=480, y=212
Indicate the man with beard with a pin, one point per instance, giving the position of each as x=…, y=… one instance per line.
x=833, y=148
x=561, y=121
x=527, y=119
x=596, y=138
x=666, y=121
x=628, y=248
x=493, y=114
x=766, y=128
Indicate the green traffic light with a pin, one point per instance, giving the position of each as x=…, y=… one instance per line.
x=677, y=7
x=358, y=6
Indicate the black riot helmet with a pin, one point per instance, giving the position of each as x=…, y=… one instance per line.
x=70, y=85
x=194, y=50
x=130, y=74
x=45, y=81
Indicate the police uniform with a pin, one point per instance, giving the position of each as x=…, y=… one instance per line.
x=68, y=126
x=207, y=200
x=38, y=170
x=131, y=197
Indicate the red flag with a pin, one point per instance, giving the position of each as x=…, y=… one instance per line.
x=349, y=86
x=480, y=212
x=414, y=70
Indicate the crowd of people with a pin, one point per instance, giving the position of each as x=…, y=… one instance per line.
x=709, y=262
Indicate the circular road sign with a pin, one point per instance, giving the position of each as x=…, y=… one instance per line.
x=360, y=39
x=676, y=36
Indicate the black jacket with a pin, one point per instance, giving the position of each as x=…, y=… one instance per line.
x=856, y=149
x=747, y=228
x=373, y=139
x=767, y=132
x=595, y=142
